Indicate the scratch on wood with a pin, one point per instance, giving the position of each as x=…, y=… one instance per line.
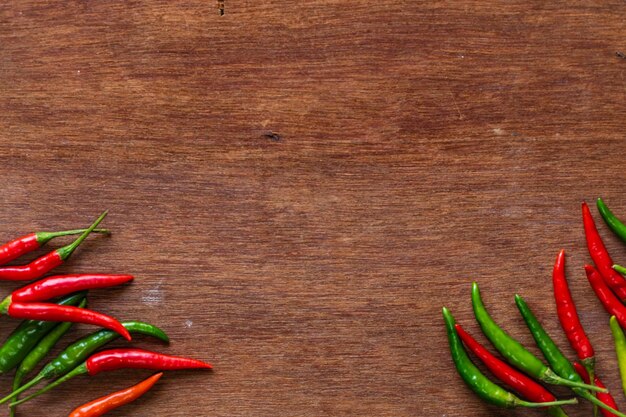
x=220, y=7
x=620, y=54
x=274, y=137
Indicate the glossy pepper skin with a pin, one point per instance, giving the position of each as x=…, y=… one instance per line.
x=54, y=312
x=60, y=285
x=27, y=335
x=609, y=300
x=606, y=398
x=568, y=316
x=525, y=386
x=472, y=376
x=620, y=349
x=110, y=402
x=43, y=265
x=114, y=359
x=600, y=255
x=79, y=351
x=25, y=244
x=613, y=222
x=40, y=351
x=511, y=349
x=557, y=360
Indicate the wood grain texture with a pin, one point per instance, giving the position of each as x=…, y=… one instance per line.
x=300, y=186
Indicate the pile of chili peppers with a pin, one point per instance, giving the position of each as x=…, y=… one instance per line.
x=524, y=373
x=50, y=306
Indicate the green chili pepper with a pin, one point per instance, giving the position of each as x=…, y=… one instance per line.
x=557, y=360
x=613, y=222
x=513, y=350
x=27, y=335
x=39, y=352
x=79, y=351
x=620, y=349
x=478, y=382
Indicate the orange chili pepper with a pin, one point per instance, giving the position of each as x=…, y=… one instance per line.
x=109, y=402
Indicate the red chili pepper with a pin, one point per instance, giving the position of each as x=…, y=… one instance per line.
x=110, y=402
x=60, y=285
x=605, y=397
x=21, y=246
x=55, y=312
x=611, y=303
x=46, y=263
x=510, y=376
x=113, y=359
x=566, y=310
x=600, y=255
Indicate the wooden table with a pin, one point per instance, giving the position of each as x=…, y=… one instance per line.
x=300, y=186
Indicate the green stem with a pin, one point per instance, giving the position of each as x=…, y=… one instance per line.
x=23, y=388
x=45, y=237
x=548, y=404
x=619, y=269
x=66, y=251
x=79, y=370
x=557, y=380
x=589, y=397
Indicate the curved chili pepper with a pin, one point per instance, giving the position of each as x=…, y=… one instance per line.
x=79, y=351
x=114, y=359
x=110, y=402
x=478, y=382
x=46, y=263
x=21, y=246
x=605, y=397
x=600, y=255
x=27, y=335
x=513, y=350
x=556, y=359
x=54, y=312
x=568, y=316
x=40, y=351
x=59, y=285
x=610, y=302
x=504, y=372
x=620, y=349
x=613, y=222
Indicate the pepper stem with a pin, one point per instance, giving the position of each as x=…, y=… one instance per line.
x=619, y=269
x=79, y=370
x=589, y=397
x=557, y=380
x=36, y=380
x=66, y=251
x=45, y=237
x=547, y=404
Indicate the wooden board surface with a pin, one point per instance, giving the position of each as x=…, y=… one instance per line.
x=300, y=186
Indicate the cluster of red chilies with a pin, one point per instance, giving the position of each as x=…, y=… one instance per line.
x=50, y=306
x=609, y=285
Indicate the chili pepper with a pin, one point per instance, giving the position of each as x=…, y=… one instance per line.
x=54, y=312
x=46, y=263
x=513, y=350
x=610, y=302
x=478, y=382
x=613, y=222
x=504, y=372
x=21, y=246
x=59, y=285
x=40, y=351
x=110, y=402
x=601, y=256
x=568, y=316
x=555, y=357
x=27, y=335
x=605, y=397
x=80, y=350
x=620, y=349
x=114, y=359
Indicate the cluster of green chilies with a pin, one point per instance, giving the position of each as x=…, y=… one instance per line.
x=520, y=370
x=47, y=322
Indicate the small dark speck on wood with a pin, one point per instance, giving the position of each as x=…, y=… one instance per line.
x=620, y=54
x=220, y=7
x=274, y=137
